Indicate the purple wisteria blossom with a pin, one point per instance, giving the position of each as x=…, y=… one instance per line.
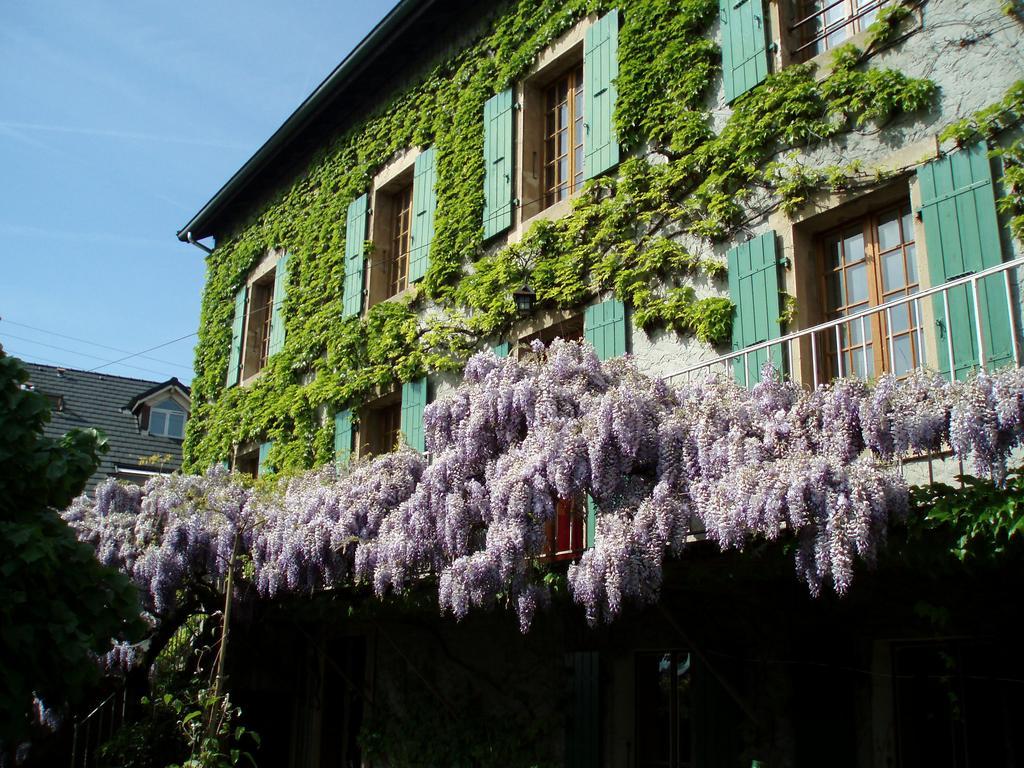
x=662, y=465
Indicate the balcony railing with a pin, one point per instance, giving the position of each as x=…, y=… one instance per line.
x=981, y=309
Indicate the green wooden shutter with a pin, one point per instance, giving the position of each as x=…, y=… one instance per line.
x=499, y=128
x=237, y=330
x=744, y=49
x=424, y=202
x=961, y=232
x=502, y=349
x=355, y=241
x=604, y=326
x=276, y=315
x=600, y=68
x=264, y=467
x=754, y=290
x=583, y=734
x=414, y=400
x=342, y=436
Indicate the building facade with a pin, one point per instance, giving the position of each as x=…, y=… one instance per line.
x=705, y=186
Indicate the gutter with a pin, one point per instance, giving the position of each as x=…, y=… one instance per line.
x=309, y=109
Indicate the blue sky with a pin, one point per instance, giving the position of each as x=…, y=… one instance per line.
x=118, y=121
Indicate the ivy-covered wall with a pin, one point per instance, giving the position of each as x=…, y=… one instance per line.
x=695, y=173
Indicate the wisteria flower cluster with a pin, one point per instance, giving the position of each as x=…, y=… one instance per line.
x=663, y=465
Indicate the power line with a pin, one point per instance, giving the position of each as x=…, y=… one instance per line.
x=83, y=341
x=82, y=354
x=34, y=357
x=136, y=354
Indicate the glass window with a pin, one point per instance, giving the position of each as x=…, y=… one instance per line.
x=401, y=242
x=167, y=418
x=563, y=136
x=826, y=24
x=866, y=263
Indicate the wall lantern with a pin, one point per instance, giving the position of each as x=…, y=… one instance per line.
x=524, y=300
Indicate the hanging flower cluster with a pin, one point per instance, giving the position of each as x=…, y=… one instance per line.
x=663, y=464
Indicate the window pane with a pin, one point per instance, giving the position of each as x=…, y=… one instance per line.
x=911, y=264
x=893, y=276
x=833, y=254
x=834, y=290
x=908, y=226
x=157, y=423
x=861, y=362
x=853, y=246
x=900, y=319
x=563, y=169
x=563, y=142
x=889, y=231
x=563, y=115
x=857, y=284
x=902, y=355
x=176, y=425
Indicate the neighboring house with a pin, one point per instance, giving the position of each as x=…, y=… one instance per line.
x=458, y=136
x=144, y=421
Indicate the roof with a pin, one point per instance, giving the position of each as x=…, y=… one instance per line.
x=391, y=49
x=101, y=401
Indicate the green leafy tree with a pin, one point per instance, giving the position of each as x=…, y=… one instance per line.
x=58, y=606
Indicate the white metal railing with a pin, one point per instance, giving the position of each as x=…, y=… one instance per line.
x=810, y=346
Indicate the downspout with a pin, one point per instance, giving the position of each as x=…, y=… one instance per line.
x=197, y=244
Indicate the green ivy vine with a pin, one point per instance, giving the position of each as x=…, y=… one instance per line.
x=622, y=236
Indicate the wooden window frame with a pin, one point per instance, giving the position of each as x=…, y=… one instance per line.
x=259, y=310
x=400, y=241
x=380, y=424
x=878, y=324
x=386, y=266
x=556, y=188
x=566, y=533
x=808, y=41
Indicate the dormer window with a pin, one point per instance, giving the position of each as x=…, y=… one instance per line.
x=167, y=419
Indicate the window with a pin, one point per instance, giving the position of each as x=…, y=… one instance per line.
x=825, y=24
x=56, y=402
x=567, y=532
x=563, y=136
x=567, y=329
x=664, y=718
x=544, y=136
x=248, y=462
x=865, y=263
x=256, y=347
x=380, y=425
x=393, y=228
x=257, y=330
x=167, y=418
x=401, y=231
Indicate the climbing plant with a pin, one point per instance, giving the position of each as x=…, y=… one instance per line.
x=643, y=235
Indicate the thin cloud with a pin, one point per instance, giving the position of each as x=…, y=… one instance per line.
x=85, y=237
x=121, y=135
